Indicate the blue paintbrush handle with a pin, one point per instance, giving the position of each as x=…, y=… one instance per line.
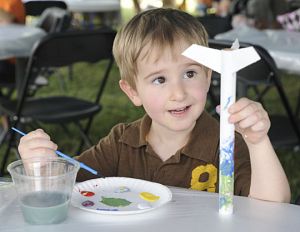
x=82, y=165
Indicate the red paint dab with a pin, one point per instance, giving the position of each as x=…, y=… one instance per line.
x=87, y=193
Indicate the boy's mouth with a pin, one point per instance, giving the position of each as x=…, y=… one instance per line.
x=180, y=110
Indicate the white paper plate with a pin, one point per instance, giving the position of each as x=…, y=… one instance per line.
x=119, y=195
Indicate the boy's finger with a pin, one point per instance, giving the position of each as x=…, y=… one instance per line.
x=261, y=126
x=249, y=110
x=239, y=105
x=250, y=119
x=39, y=133
x=39, y=143
x=218, y=109
x=39, y=153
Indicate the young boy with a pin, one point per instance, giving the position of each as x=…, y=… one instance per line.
x=176, y=143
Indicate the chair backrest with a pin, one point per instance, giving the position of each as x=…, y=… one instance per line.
x=264, y=72
x=294, y=5
x=36, y=8
x=238, y=7
x=215, y=24
x=265, y=67
x=66, y=48
x=54, y=20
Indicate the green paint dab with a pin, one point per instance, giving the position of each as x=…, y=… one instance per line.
x=115, y=202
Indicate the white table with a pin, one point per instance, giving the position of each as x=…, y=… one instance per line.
x=85, y=6
x=108, y=10
x=17, y=40
x=188, y=211
x=283, y=46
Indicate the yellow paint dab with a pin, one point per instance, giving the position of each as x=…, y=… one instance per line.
x=149, y=196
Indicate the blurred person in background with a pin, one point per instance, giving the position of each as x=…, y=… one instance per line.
x=213, y=7
x=202, y=6
x=257, y=13
x=222, y=7
x=12, y=11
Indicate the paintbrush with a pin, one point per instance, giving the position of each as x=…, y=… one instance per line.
x=82, y=165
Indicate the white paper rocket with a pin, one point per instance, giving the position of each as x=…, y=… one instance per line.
x=227, y=63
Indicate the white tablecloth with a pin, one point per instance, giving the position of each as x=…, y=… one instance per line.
x=18, y=40
x=283, y=46
x=84, y=6
x=188, y=211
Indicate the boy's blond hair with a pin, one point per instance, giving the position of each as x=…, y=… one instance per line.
x=158, y=27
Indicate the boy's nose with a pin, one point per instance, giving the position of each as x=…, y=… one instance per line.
x=178, y=92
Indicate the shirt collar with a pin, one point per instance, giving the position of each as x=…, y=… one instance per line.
x=136, y=132
x=204, y=140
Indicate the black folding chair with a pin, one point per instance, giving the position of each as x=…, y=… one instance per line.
x=215, y=24
x=54, y=19
x=36, y=8
x=294, y=5
x=60, y=50
x=261, y=77
x=7, y=78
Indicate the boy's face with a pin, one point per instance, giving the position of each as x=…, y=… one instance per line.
x=171, y=87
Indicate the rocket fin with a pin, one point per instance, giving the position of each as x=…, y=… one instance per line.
x=208, y=57
x=243, y=57
x=212, y=58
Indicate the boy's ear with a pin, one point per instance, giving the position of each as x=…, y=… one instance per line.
x=130, y=92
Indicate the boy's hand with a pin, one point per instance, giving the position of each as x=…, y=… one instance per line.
x=36, y=144
x=250, y=119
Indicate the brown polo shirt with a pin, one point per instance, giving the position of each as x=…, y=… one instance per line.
x=125, y=152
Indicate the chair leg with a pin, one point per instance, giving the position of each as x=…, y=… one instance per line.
x=297, y=113
x=297, y=201
x=288, y=108
x=7, y=152
x=66, y=129
x=4, y=131
x=84, y=135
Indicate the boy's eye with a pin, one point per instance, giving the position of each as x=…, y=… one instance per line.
x=159, y=80
x=190, y=74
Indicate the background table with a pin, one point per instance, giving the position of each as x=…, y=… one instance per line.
x=188, y=211
x=17, y=40
x=93, y=5
x=283, y=45
x=108, y=10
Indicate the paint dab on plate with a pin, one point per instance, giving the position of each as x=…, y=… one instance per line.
x=149, y=196
x=87, y=203
x=87, y=193
x=122, y=189
x=115, y=202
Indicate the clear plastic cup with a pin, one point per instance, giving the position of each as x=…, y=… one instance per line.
x=44, y=187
